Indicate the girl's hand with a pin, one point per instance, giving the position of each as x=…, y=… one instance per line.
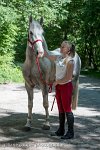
x=45, y=53
x=55, y=83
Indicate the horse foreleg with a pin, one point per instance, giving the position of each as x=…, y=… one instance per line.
x=29, y=90
x=46, y=125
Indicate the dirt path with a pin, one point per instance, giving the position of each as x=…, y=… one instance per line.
x=13, y=114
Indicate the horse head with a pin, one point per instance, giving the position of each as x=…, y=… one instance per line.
x=35, y=37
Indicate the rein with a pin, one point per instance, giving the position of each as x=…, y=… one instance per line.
x=38, y=64
x=50, y=84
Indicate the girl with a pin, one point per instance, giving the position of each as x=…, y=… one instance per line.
x=64, y=88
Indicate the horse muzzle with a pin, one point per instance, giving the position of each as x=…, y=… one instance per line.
x=40, y=54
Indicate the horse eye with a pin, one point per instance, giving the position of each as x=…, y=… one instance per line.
x=31, y=33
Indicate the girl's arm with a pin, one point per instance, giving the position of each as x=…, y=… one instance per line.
x=51, y=57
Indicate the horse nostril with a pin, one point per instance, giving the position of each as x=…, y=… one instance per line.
x=37, y=53
x=31, y=33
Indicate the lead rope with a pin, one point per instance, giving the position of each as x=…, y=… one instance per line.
x=50, y=84
x=53, y=103
x=38, y=64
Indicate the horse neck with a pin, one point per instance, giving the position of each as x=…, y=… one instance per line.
x=30, y=56
x=45, y=45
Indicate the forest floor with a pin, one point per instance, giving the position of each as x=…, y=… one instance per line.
x=13, y=115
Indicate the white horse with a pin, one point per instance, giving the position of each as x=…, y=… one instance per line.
x=39, y=70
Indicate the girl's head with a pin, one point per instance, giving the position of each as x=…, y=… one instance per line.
x=67, y=48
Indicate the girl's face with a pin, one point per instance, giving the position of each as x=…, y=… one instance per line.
x=64, y=49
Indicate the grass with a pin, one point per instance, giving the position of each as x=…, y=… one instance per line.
x=91, y=73
x=11, y=74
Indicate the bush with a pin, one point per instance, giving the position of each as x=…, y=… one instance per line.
x=9, y=72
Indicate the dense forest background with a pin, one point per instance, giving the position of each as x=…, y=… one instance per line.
x=75, y=20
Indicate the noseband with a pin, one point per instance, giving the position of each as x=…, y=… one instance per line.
x=33, y=43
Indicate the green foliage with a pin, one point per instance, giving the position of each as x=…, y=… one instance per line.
x=10, y=74
x=8, y=30
x=9, y=71
x=90, y=32
x=91, y=73
x=8, y=33
x=78, y=21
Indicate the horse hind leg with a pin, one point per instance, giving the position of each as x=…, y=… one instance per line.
x=29, y=90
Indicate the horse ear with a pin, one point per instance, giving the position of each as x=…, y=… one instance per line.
x=41, y=21
x=30, y=19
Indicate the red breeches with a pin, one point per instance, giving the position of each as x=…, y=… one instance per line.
x=64, y=97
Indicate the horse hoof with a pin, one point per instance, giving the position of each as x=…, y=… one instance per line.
x=45, y=127
x=26, y=129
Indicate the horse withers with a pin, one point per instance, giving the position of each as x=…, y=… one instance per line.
x=39, y=70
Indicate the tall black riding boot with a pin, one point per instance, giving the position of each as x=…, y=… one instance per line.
x=61, y=129
x=70, y=121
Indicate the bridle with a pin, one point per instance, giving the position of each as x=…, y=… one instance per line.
x=38, y=63
x=34, y=42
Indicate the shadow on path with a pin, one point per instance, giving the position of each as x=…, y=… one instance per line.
x=87, y=126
